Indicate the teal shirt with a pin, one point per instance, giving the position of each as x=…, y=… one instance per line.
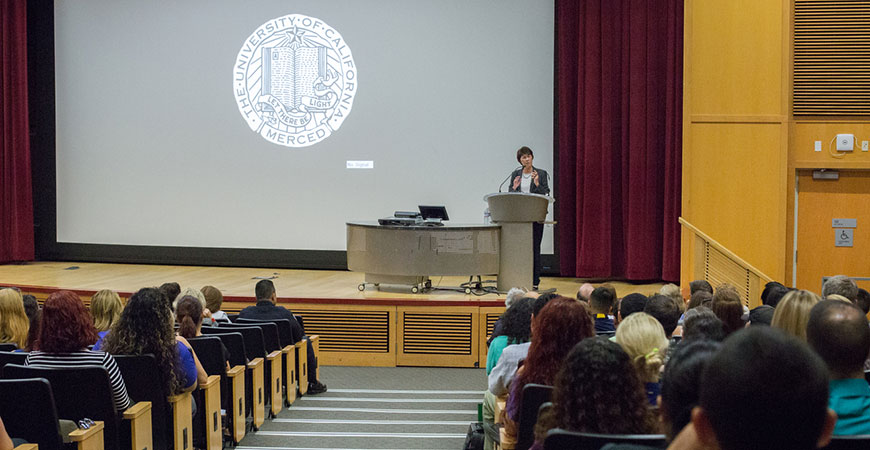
x=850, y=399
x=495, y=348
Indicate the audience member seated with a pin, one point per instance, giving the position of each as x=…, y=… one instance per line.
x=601, y=303
x=702, y=324
x=700, y=298
x=562, y=323
x=585, y=292
x=793, y=312
x=145, y=327
x=666, y=310
x=214, y=300
x=761, y=316
x=502, y=374
x=206, y=313
x=840, y=284
x=513, y=295
x=188, y=314
x=517, y=329
x=14, y=324
x=773, y=292
x=170, y=290
x=106, y=309
x=629, y=305
x=727, y=307
x=681, y=383
x=863, y=300
x=643, y=339
x=597, y=391
x=34, y=314
x=763, y=389
x=838, y=332
x=266, y=309
x=700, y=285
x=66, y=332
x=673, y=292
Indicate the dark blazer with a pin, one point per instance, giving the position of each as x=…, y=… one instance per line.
x=266, y=310
x=542, y=188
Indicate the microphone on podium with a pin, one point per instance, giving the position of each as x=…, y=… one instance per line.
x=508, y=178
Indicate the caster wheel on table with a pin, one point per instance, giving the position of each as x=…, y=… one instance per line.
x=361, y=287
x=468, y=290
x=415, y=289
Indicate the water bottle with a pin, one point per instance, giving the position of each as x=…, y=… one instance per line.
x=487, y=219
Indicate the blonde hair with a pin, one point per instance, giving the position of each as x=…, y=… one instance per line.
x=106, y=307
x=673, y=291
x=195, y=293
x=14, y=323
x=643, y=339
x=793, y=312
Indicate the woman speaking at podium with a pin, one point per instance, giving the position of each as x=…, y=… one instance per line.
x=530, y=179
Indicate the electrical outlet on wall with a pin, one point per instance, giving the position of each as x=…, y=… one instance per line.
x=865, y=146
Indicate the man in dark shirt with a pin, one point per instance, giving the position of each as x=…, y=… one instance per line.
x=601, y=302
x=266, y=309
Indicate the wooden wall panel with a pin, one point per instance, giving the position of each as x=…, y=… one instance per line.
x=734, y=51
x=736, y=190
x=437, y=336
x=804, y=133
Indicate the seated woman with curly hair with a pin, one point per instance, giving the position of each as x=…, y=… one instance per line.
x=643, y=339
x=66, y=331
x=14, y=324
x=597, y=390
x=145, y=327
x=555, y=330
x=517, y=329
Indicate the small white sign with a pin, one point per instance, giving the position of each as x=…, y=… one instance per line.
x=843, y=237
x=844, y=223
x=360, y=164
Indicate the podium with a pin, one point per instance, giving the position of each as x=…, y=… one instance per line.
x=515, y=212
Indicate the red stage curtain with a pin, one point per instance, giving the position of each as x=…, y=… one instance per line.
x=619, y=105
x=16, y=199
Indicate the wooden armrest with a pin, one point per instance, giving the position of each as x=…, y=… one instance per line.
x=256, y=362
x=235, y=371
x=273, y=355
x=172, y=399
x=137, y=410
x=287, y=348
x=79, y=434
x=28, y=446
x=500, y=403
x=505, y=441
x=139, y=416
x=182, y=420
x=313, y=337
x=213, y=380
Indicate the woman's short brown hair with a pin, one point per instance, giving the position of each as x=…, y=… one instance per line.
x=524, y=151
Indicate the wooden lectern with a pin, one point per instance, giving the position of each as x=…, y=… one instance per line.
x=515, y=212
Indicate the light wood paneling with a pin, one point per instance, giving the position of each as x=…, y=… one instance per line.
x=733, y=51
x=818, y=203
x=446, y=337
x=802, y=153
x=735, y=190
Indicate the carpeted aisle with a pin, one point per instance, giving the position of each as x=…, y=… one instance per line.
x=378, y=408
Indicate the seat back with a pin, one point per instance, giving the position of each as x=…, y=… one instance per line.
x=559, y=439
x=859, y=442
x=12, y=358
x=211, y=356
x=69, y=385
x=534, y=395
x=285, y=330
x=8, y=347
x=233, y=341
x=253, y=337
x=143, y=385
x=271, y=339
x=28, y=412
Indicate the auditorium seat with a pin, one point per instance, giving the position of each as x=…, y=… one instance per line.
x=8, y=347
x=558, y=439
x=285, y=337
x=28, y=412
x=860, y=442
x=171, y=424
x=534, y=395
x=11, y=358
x=273, y=354
x=85, y=392
x=232, y=383
x=234, y=340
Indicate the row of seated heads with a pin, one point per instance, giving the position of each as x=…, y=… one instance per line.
x=771, y=377
x=145, y=324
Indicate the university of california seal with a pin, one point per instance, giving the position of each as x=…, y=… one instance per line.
x=294, y=80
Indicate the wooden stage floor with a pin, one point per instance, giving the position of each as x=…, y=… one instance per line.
x=237, y=283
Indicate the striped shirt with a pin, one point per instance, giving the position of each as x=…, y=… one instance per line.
x=86, y=358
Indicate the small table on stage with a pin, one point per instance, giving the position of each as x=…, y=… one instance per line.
x=409, y=255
